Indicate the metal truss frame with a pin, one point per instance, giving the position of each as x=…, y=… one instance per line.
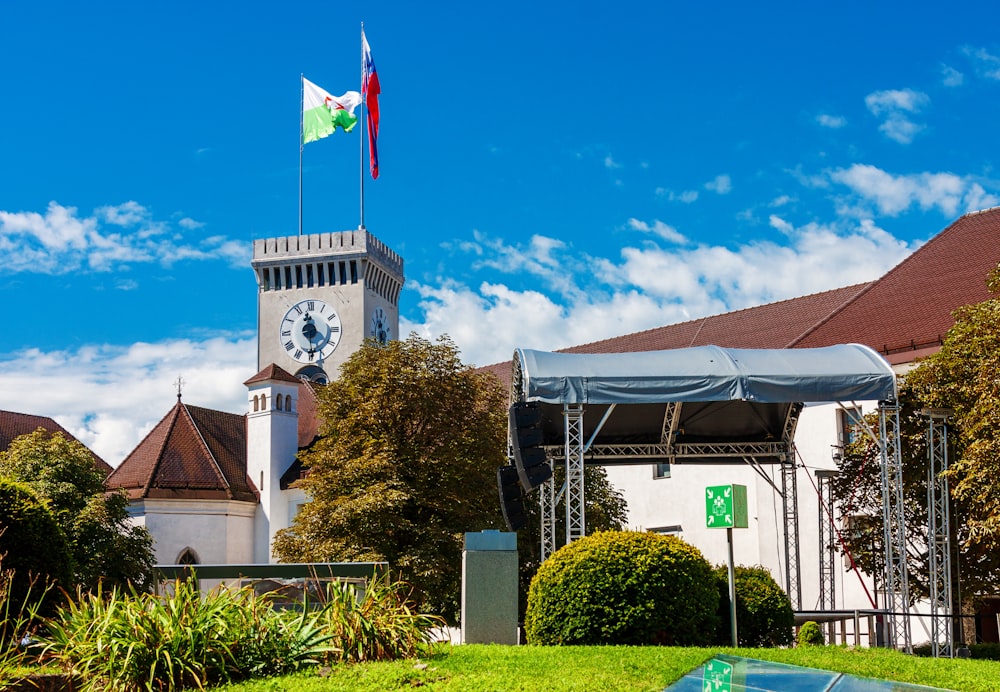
x=790, y=507
x=576, y=524
x=897, y=585
x=939, y=534
x=827, y=543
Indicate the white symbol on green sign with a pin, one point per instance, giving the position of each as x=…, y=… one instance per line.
x=726, y=507
x=718, y=677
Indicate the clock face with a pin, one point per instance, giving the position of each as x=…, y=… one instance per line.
x=379, y=329
x=310, y=331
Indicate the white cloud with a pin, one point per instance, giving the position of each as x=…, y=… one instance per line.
x=684, y=197
x=190, y=223
x=893, y=194
x=834, y=122
x=986, y=64
x=646, y=286
x=665, y=231
x=894, y=107
x=610, y=162
x=951, y=77
x=721, y=184
x=62, y=241
x=109, y=397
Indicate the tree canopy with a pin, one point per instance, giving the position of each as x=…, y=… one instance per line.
x=964, y=375
x=103, y=542
x=405, y=465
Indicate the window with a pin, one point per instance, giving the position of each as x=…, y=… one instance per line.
x=848, y=425
x=288, y=402
x=672, y=530
x=263, y=402
x=187, y=557
x=661, y=470
x=256, y=403
x=277, y=402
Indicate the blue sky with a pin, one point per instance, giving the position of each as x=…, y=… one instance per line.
x=550, y=176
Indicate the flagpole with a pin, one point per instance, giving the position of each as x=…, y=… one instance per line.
x=302, y=103
x=361, y=144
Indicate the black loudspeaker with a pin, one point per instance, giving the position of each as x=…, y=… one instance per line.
x=511, y=498
x=525, y=419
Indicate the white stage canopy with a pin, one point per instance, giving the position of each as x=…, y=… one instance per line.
x=707, y=373
x=685, y=402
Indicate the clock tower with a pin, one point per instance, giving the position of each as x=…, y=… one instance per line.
x=320, y=296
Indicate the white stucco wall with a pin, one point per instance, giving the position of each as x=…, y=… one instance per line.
x=654, y=503
x=217, y=531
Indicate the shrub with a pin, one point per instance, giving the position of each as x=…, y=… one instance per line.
x=33, y=544
x=989, y=651
x=764, y=615
x=378, y=624
x=130, y=640
x=811, y=634
x=619, y=587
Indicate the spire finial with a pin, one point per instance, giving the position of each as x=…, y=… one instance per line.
x=179, y=383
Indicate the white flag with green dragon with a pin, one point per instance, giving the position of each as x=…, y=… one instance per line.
x=322, y=112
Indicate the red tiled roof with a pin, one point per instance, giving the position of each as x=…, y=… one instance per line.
x=904, y=315
x=194, y=453
x=775, y=325
x=14, y=425
x=911, y=306
x=273, y=372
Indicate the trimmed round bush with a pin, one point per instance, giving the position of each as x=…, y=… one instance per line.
x=811, y=634
x=32, y=543
x=622, y=587
x=764, y=615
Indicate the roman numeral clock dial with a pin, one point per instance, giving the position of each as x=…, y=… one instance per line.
x=310, y=331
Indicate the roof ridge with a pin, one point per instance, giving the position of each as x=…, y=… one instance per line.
x=215, y=462
x=158, y=458
x=836, y=311
x=704, y=319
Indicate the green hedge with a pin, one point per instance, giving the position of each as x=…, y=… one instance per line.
x=764, y=615
x=620, y=587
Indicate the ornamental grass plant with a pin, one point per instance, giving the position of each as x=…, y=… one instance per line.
x=376, y=624
x=18, y=619
x=124, y=640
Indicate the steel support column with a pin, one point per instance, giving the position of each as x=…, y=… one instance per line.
x=827, y=545
x=897, y=586
x=547, y=506
x=576, y=526
x=790, y=507
x=939, y=534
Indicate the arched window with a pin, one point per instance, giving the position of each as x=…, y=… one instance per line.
x=187, y=557
x=277, y=402
x=256, y=403
x=263, y=402
x=288, y=402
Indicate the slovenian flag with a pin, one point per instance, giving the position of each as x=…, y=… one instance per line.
x=322, y=113
x=370, y=89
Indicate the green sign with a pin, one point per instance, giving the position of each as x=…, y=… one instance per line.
x=726, y=507
x=718, y=677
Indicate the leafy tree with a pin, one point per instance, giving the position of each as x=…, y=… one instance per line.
x=405, y=466
x=962, y=376
x=103, y=542
x=34, y=553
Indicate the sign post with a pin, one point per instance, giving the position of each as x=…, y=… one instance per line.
x=726, y=508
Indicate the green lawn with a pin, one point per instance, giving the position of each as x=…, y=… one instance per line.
x=481, y=668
